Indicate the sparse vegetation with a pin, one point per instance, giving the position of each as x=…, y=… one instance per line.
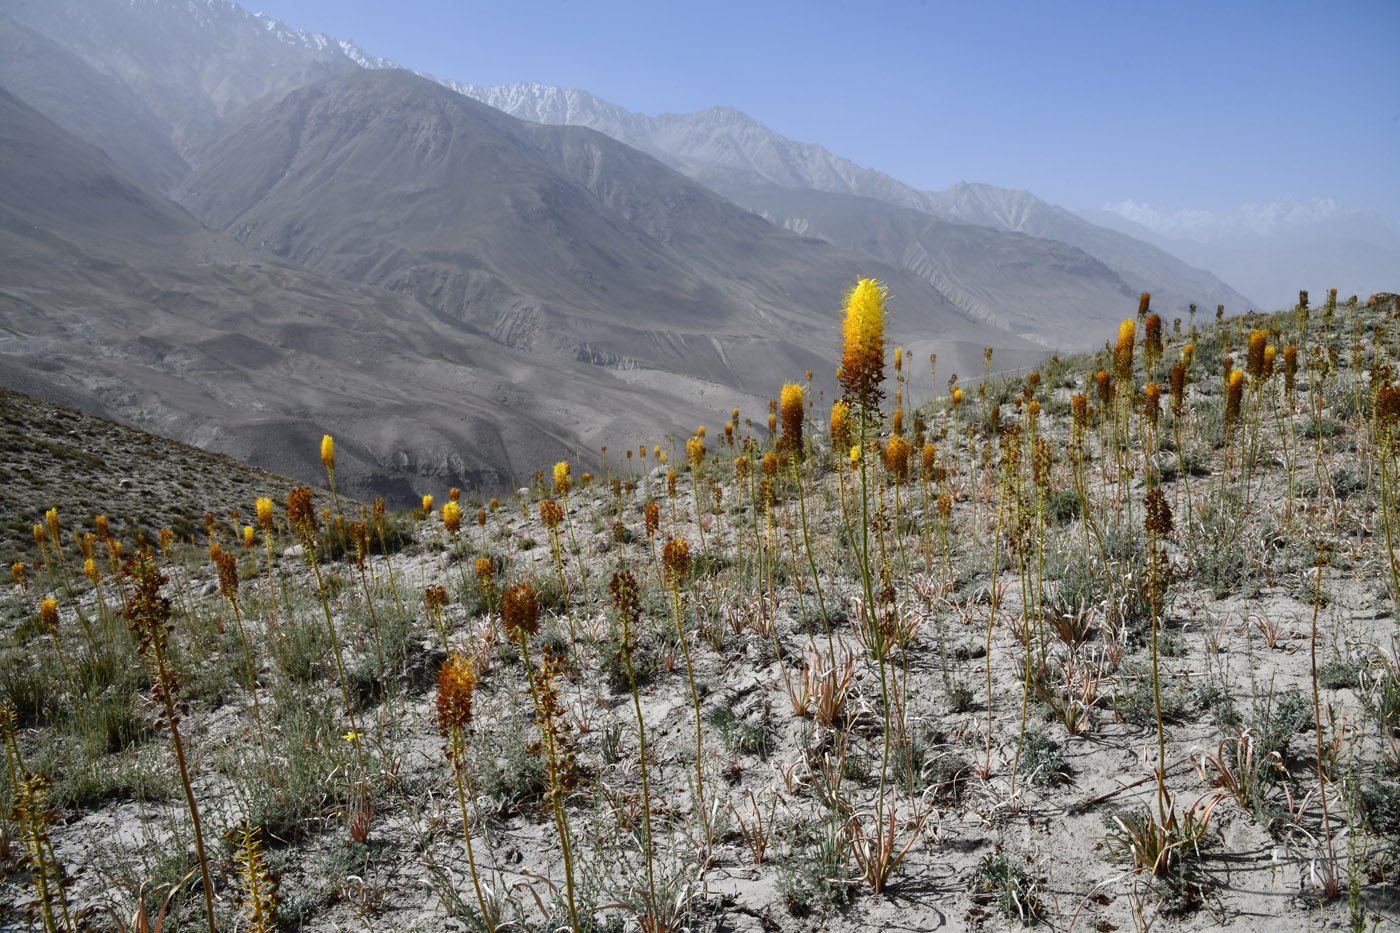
x=1048, y=635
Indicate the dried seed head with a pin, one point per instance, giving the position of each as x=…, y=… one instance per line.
x=485, y=570
x=1079, y=406
x=1388, y=411
x=1178, y=387
x=1144, y=303
x=481, y=516
x=930, y=454
x=520, y=612
x=675, y=557
x=793, y=412
x=945, y=506
x=359, y=538
x=301, y=513
x=456, y=682
x=228, y=574
x=897, y=421
x=1290, y=368
x=1042, y=460
x=652, y=518
x=626, y=601
x=551, y=513
x=327, y=452
x=1159, y=513
x=1152, y=337
x=1104, y=382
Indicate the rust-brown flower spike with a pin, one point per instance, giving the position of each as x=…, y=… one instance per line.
x=520, y=611
x=675, y=557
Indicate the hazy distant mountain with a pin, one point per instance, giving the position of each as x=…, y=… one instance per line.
x=191, y=63
x=713, y=145
x=1039, y=288
x=88, y=104
x=1274, y=249
x=117, y=300
x=558, y=240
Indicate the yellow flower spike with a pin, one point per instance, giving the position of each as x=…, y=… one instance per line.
x=55, y=530
x=1123, y=353
x=327, y=452
x=840, y=424
x=855, y=454
x=48, y=614
x=1254, y=360
x=563, y=478
x=957, y=397
x=265, y=513
x=862, y=369
x=452, y=517
x=248, y=536
x=427, y=506
x=1233, y=396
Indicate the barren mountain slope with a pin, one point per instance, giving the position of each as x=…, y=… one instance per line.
x=117, y=300
x=555, y=240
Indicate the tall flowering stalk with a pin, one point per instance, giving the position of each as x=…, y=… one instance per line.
x=227, y=566
x=520, y=616
x=148, y=614
x=302, y=516
x=456, y=682
x=675, y=557
x=629, y=616
x=563, y=483
x=268, y=524
x=793, y=413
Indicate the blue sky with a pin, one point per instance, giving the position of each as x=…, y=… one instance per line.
x=1182, y=105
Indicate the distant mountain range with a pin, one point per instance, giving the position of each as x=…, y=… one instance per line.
x=735, y=154
x=245, y=235
x=1272, y=250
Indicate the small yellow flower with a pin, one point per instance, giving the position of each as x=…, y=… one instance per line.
x=351, y=735
x=248, y=536
x=327, y=452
